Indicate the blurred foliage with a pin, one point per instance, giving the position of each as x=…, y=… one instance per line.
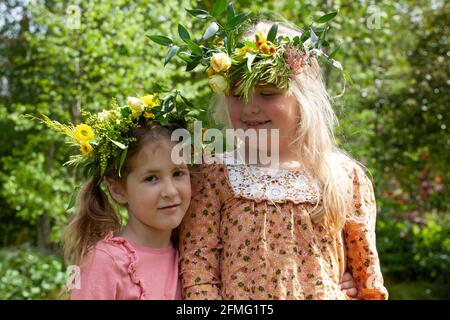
x=27, y=274
x=394, y=118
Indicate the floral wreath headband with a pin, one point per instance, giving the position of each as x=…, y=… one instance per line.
x=104, y=138
x=268, y=58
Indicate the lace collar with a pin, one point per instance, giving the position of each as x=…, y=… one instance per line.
x=277, y=185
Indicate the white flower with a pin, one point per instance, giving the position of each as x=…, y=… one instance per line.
x=218, y=83
x=220, y=62
x=104, y=115
x=133, y=101
x=136, y=104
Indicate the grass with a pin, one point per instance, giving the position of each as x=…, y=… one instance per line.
x=417, y=290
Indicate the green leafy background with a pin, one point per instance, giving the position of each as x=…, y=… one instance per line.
x=394, y=118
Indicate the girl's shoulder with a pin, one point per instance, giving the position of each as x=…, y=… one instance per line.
x=351, y=167
x=113, y=251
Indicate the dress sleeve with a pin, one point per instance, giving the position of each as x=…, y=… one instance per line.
x=99, y=279
x=200, y=244
x=359, y=233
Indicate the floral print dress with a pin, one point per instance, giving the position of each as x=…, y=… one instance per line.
x=248, y=234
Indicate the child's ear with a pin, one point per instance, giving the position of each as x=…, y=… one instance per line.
x=117, y=191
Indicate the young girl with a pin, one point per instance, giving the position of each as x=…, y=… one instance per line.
x=288, y=232
x=130, y=152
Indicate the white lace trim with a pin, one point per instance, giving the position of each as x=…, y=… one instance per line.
x=278, y=185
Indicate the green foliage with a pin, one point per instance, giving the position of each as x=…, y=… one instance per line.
x=27, y=274
x=417, y=249
x=394, y=117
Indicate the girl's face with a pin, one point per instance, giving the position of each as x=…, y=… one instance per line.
x=268, y=108
x=157, y=192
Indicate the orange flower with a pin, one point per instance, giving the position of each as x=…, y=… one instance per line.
x=260, y=39
x=272, y=49
x=264, y=48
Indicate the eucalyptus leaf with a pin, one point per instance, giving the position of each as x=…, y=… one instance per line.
x=347, y=76
x=172, y=52
x=123, y=156
x=195, y=62
x=219, y=7
x=335, y=51
x=195, y=49
x=326, y=18
x=272, y=33
x=198, y=13
x=185, y=56
x=117, y=143
x=230, y=12
x=237, y=20
x=163, y=40
x=313, y=37
x=210, y=31
x=184, y=34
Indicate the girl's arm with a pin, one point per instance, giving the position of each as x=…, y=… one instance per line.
x=200, y=242
x=359, y=234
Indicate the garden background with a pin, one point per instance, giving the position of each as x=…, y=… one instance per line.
x=57, y=57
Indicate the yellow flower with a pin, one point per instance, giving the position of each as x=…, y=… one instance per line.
x=83, y=132
x=220, y=62
x=85, y=148
x=149, y=100
x=149, y=115
x=210, y=72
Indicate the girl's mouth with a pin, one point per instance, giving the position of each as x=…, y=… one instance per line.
x=173, y=206
x=255, y=124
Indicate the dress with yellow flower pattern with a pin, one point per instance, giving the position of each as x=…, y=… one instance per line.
x=248, y=235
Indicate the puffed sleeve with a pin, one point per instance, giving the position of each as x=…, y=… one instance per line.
x=359, y=234
x=200, y=244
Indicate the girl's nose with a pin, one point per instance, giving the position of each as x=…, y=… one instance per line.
x=251, y=108
x=169, y=190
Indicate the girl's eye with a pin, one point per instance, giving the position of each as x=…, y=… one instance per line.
x=179, y=173
x=269, y=94
x=152, y=178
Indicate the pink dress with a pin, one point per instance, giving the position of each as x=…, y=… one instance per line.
x=117, y=269
x=248, y=234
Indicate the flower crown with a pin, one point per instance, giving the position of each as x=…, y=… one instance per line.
x=104, y=137
x=267, y=58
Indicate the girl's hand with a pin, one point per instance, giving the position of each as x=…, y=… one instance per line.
x=348, y=285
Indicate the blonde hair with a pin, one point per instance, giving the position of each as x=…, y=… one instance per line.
x=315, y=141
